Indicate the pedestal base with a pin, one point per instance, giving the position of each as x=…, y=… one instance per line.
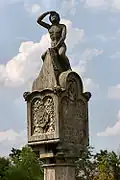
x=59, y=172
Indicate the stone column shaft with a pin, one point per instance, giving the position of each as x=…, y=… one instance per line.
x=59, y=172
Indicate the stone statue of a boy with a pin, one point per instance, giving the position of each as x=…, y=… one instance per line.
x=57, y=33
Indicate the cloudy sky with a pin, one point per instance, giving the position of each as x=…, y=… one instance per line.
x=93, y=42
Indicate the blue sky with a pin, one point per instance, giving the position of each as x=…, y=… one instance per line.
x=93, y=42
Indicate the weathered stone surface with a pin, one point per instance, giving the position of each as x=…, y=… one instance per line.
x=73, y=113
x=68, y=78
x=57, y=108
x=59, y=172
x=42, y=113
x=43, y=120
x=60, y=115
x=47, y=78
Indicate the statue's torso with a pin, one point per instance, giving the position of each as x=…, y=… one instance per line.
x=55, y=32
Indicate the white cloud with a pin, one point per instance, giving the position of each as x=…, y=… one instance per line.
x=35, y=8
x=86, y=56
x=9, y=135
x=32, y=8
x=112, y=131
x=81, y=67
x=107, y=39
x=111, y=4
x=90, y=85
x=69, y=6
x=116, y=4
x=74, y=35
x=115, y=56
x=11, y=138
x=102, y=38
x=114, y=92
x=95, y=3
x=64, y=6
x=26, y=64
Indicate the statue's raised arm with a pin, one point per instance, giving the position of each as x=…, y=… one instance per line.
x=41, y=22
x=42, y=16
x=57, y=34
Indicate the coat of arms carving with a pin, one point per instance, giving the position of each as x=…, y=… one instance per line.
x=42, y=115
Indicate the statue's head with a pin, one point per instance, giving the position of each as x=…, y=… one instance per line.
x=54, y=18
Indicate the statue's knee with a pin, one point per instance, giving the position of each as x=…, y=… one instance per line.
x=61, y=54
x=61, y=51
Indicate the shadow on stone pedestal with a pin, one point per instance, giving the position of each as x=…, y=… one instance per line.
x=57, y=117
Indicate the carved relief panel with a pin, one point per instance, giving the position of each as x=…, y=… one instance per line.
x=74, y=116
x=42, y=116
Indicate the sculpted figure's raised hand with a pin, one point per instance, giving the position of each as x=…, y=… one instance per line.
x=57, y=34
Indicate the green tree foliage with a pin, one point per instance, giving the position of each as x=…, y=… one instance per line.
x=4, y=166
x=21, y=165
x=85, y=165
x=108, y=163
x=103, y=168
x=15, y=155
x=24, y=165
x=115, y=164
x=100, y=166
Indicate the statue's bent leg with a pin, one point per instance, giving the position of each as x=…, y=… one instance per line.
x=65, y=62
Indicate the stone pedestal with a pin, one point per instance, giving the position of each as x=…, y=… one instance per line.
x=57, y=117
x=59, y=172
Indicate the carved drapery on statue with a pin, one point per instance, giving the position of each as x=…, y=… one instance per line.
x=42, y=116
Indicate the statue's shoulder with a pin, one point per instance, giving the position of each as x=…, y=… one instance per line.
x=63, y=25
x=50, y=28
